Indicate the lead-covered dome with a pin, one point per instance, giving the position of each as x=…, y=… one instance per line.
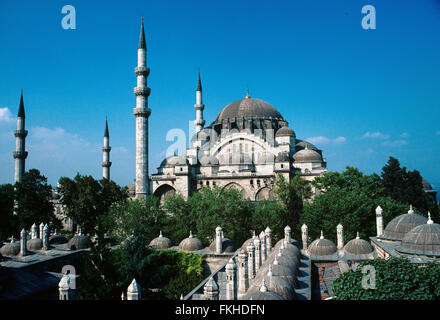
x=10, y=249
x=307, y=155
x=322, y=247
x=160, y=242
x=358, y=246
x=285, y=132
x=248, y=108
x=422, y=240
x=190, y=244
x=399, y=226
x=34, y=244
x=79, y=242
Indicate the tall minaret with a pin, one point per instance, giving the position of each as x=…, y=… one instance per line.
x=199, y=106
x=20, y=138
x=106, y=164
x=142, y=112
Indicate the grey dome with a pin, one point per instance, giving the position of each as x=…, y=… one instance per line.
x=302, y=144
x=57, y=239
x=248, y=108
x=227, y=245
x=34, y=244
x=190, y=244
x=283, y=260
x=281, y=271
x=275, y=284
x=422, y=240
x=161, y=242
x=78, y=242
x=208, y=160
x=358, y=247
x=322, y=247
x=307, y=155
x=247, y=242
x=399, y=226
x=285, y=131
x=174, y=161
x=10, y=249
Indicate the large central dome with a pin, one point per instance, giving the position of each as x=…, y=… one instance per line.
x=249, y=108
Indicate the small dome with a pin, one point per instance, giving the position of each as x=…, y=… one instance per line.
x=422, y=240
x=285, y=131
x=34, y=244
x=283, y=260
x=279, y=270
x=10, y=249
x=307, y=155
x=227, y=245
x=399, y=226
x=248, y=242
x=57, y=239
x=174, y=161
x=79, y=242
x=302, y=144
x=160, y=242
x=190, y=244
x=358, y=247
x=274, y=284
x=322, y=247
x=282, y=157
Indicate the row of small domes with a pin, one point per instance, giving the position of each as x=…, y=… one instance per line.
x=325, y=247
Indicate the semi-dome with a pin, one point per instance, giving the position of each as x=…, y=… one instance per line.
x=307, y=155
x=34, y=244
x=285, y=132
x=190, y=244
x=79, y=242
x=358, y=246
x=322, y=247
x=160, y=242
x=227, y=245
x=422, y=240
x=399, y=226
x=10, y=249
x=248, y=108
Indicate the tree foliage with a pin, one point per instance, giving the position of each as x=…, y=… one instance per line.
x=395, y=279
x=8, y=223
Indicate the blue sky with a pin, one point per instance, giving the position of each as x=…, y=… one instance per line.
x=360, y=95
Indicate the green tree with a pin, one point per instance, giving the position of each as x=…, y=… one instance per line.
x=292, y=195
x=269, y=213
x=8, y=222
x=395, y=279
x=33, y=195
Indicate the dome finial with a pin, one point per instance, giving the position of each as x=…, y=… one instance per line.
x=429, y=218
x=160, y=234
x=410, y=209
x=322, y=235
x=357, y=235
x=247, y=93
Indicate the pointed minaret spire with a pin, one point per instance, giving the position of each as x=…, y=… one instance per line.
x=142, y=43
x=199, y=106
x=106, y=164
x=142, y=113
x=20, y=141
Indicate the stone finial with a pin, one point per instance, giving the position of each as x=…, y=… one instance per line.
x=210, y=290
x=268, y=233
x=45, y=238
x=123, y=296
x=275, y=261
x=190, y=234
x=134, y=291
x=181, y=296
x=379, y=210
x=270, y=272
x=410, y=211
x=23, y=241
x=160, y=234
x=280, y=252
x=263, y=287
x=429, y=218
x=218, y=229
x=34, y=231
x=41, y=230
x=322, y=235
x=288, y=234
x=218, y=240
x=12, y=239
x=253, y=234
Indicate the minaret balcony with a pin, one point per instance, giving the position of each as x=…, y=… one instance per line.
x=142, y=71
x=20, y=133
x=199, y=107
x=20, y=154
x=106, y=164
x=142, y=91
x=106, y=149
x=140, y=112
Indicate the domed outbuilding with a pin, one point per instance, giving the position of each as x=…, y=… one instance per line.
x=34, y=244
x=79, y=242
x=399, y=226
x=190, y=244
x=322, y=247
x=422, y=240
x=10, y=249
x=161, y=242
x=358, y=247
x=307, y=155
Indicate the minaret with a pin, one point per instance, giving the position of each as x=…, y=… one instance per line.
x=106, y=163
x=199, y=106
x=20, y=138
x=142, y=112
